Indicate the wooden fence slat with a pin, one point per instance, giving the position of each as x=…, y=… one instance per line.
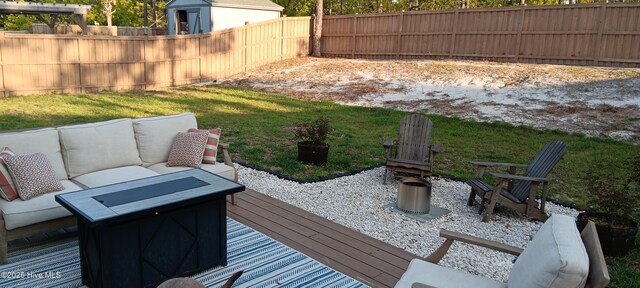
x=2, y=44
x=598, y=40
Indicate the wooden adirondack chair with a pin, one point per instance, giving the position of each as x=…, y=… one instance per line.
x=412, y=153
x=520, y=193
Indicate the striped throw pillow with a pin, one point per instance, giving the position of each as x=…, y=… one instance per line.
x=7, y=189
x=211, y=151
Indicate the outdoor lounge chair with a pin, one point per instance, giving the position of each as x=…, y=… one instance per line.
x=412, y=153
x=520, y=193
x=554, y=258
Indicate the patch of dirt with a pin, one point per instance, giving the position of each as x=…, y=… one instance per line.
x=590, y=100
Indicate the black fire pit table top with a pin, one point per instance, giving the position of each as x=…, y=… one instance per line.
x=142, y=197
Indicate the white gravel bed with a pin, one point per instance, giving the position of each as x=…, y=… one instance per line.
x=358, y=202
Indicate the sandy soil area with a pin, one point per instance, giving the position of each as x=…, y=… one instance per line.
x=594, y=101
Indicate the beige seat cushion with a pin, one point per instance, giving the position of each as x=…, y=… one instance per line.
x=115, y=175
x=155, y=135
x=218, y=169
x=97, y=146
x=18, y=213
x=443, y=277
x=44, y=141
x=556, y=257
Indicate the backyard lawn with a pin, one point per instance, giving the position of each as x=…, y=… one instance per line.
x=258, y=126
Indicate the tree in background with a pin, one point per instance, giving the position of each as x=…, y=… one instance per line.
x=107, y=10
x=317, y=30
x=124, y=13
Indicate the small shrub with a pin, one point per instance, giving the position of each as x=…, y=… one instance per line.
x=315, y=131
x=614, y=186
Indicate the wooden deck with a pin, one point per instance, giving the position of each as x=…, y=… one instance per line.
x=361, y=257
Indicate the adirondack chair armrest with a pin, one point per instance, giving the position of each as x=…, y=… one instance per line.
x=437, y=148
x=388, y=143
x=521, y=178
x=451, y=236
x=482, y=165
x=497, y=164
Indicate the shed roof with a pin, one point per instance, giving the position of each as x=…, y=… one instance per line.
x=246, y=4
x=258, y=4
x=42, y=8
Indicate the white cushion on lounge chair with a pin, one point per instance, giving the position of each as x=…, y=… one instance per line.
x=18, y=213
x=443, y=277
x=218, y=169
x=556, y=257
x=115, y=175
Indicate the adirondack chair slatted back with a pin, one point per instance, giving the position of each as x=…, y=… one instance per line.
x=541, y=166
x=415, y=131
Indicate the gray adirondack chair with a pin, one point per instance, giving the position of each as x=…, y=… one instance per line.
x=520, y=193
x=411, y=153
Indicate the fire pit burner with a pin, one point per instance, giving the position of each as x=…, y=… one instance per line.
x=414, y=196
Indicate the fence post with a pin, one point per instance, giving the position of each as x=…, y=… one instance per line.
x=399, y=40
x=145, y=43
x=246, y=47
x=598, y=41
x=200, y=78
x=452, y=46
x=519, y=37
x=2, y=44
x=353, y=36
x=79, y=50
x=282, y=27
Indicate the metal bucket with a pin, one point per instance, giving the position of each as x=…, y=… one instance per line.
x=414, y=195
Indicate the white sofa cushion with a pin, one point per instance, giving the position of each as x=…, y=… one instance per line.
x=155, y=135
x=443, y=277
x=556, y=257
x=44, y=141
x=218, y=169
x=18, y=213
x=96, y=146
x=115, y=175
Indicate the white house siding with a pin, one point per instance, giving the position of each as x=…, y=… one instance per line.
x=224, y=17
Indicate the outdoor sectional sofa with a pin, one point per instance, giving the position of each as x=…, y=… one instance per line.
x=91, y=155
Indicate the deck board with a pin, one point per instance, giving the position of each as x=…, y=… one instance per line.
x=359, y=256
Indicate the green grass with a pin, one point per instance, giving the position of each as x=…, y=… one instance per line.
x=258, y=127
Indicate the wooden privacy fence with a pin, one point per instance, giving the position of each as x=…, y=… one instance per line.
x=76, y=64
x=591, y=34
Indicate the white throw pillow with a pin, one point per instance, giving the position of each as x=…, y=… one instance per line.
x=556, y=257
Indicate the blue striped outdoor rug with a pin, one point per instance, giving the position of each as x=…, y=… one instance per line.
x=266, y=263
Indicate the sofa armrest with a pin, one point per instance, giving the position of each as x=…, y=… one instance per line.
x=451, y=236
x=225, y=154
